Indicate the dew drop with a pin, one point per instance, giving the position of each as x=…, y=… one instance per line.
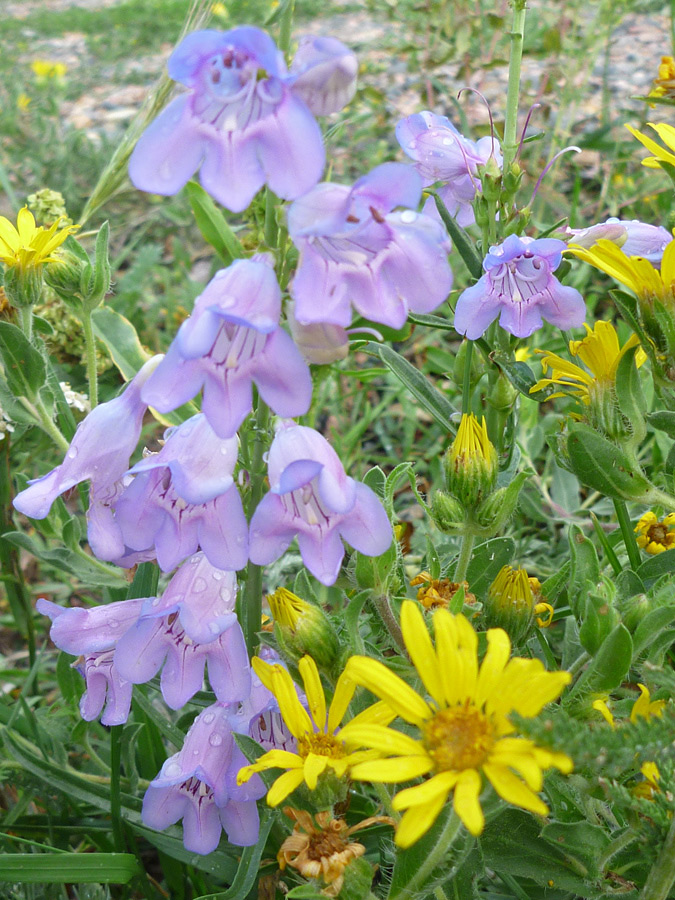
x=224, y=450
x=408, y=216
x=72, y=453
x=412, y=145
x=194, y=559
x=195, y=752
x=448, y=141
x=214, y=628
x=208, y=718
x=172, y=769
x=215, y=740
x=155, y=601
x=199, y=585
x=216, y=576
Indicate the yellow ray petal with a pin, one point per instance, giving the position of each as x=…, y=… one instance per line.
x=656, y=149
x=466, y=803
x=379, y=713
x=417, y=822
x=375, y=676
x=512, y=789
x=420, y=648
x=316, y=699
x=438, y=786
x=25, y=225
x=344, y=691
x=522, y=761
x=273, y=759
x=494, y=662
x=314, y=766
x=392, y=771
x=386, y=740
x=283, y=786
x=668, y=265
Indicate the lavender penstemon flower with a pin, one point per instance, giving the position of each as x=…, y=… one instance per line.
x=442, y=154
x=356, y=251
x=634, y=237
x=520, y=288
x=312, y=497
x=232, y=340
x=183, y=498
x=246, y=120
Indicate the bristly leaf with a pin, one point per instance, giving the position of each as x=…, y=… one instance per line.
x=24, y=367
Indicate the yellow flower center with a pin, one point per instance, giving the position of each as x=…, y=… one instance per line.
x=459, y=738
x=322, y=745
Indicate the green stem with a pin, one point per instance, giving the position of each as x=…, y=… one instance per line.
x=466, y=379
x=44, y=420
x=385, y=799
x=26, y=320
x=432, y=860
x=628, y=534
x=110, y=571
x=271, y=229
x=250, y=608
x=662, y=876
x=578, y=664
x=286, y=26
x=385, y=612
x=465, y=551
x=615, y=846
x=90, y=351
x=115, y=797
x=515, y=61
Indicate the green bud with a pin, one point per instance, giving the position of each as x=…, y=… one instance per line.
x=64, y=277
x=494, y=512
x=23, y=286
x=447, y=513
x=510, y=604
x=303, y=628
x=512, y=179
x=502, y=394
x=477, y=367
x=47, y=206
x=600, y=618
x=471, y=463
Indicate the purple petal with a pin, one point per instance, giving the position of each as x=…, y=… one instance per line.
x=228, y=665
x=367, y=527
x=270, y=533
x=282, y=376
x=389, y=185
x=564, y=307
x=175, y=381
x=162, y=806
x=476, y=308
x=201, y=827
x=317, y=277
x=183, y=672
x=231, y=171
x=223, y=532
x=325, y=74
x=521, y=319
x=241, y=822
x=76, y=630
x=297, y=474
x=322, y=554
x=141, y=651
x=227, y=400
x=177, y=539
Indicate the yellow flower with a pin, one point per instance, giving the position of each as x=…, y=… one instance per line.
x=634, y=272
x=44, y=69
x=647, y=788
x=321, y=743
x=664, y=83
x=27, y=246
x=644, y=707
x=600, y=704
x=23, y=102
x=439, y=592
x=667, y=135
x=464, y=729
x=655, y=535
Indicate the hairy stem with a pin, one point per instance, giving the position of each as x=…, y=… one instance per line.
x=26, y=320
x=386, y=614
x=662, y=876
x=90, y=352
x=465, y=552
x=515, y=61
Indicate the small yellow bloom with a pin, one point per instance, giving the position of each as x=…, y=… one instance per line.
x=635, y=272
x=523, y=354
x=664, y=83
x=600, y=704
x=601, y=354
x=433, y=593
x=27, y=246
x=321, y=743
x=44, y=69
x=464, y=727
x=220, y=10
x=644, y=707
x=667, y=135
x=23, y=102
x=655, y=535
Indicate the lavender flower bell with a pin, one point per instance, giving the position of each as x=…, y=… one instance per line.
x=183, y=498
x=442, y=154
x=634, y=237
x=356, y=251
x=232, y=340
x=520, y=288
x=312, y=497
x=245, y=120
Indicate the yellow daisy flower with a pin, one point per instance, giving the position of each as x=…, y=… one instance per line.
x=27, y=246
x=644, y=707
x=664, y=83
x=465, y=730
x=321, y=743
x=44, y=69
x=599, y=351
x=667, y=135
x=634, y=272
x=655, y=535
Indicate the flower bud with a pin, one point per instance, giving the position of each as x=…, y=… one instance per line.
x=447, y=513
x=302, y=628
x=64, y=276
x=320, y=343
x=510, y=604
x=23, y=286
x=471, y=463
x=48, y=206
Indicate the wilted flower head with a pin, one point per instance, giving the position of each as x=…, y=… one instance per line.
x=245, y=119
x=442, y=154
x=311, y=496
x=231, y=341
x=520, y=288
x=355, y=251
x=434, y=593
x=634, y=237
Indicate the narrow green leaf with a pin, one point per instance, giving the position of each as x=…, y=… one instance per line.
x=431, y=321
x=213, y=225
x=649, y=629
x=653, y=568
x=66, y=560
x=608, y=668
x=24, y=367
x=121, y=339
x=71, y=868
x=663, y=420
x=460, y=240
x=247, y=873
x=630, y=395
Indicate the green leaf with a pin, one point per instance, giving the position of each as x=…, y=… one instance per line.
x=581, y=840
x=145, y=581
x=213, y=225
x=24, y=367
x=247, y=873
x=630, y=395
x=431, y=321
x=651, y=627
x=488, y=558
x=93, y=572
x=608, y=668
x=68, y=868
x=435, y=403
x=603, y=466
x=520, y=375
x=584, y=571
x=663, y=420
x=70, y=681
x=121, y=339
x=653, y=568
x=460, y=239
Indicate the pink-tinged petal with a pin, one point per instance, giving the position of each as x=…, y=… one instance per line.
x=228, y=666
x=241, y=822
x=141, y=652
x=324, y=73
x=322, y=554
x=246, y=293
x=231, y=171
x=290, y=147
x=270, y=532
x=476, y=309
x=227, y=400
x=223, y=532
x=564, y=306
x=169, y=151
x=367, y=527
x=118, y=700
x=36, y=500
x=104, y=685
x=282, y=376
x=103, y=532
x=188, y=57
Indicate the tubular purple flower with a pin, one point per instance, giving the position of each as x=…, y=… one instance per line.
x=320, y=343
x=324, y=74
x=105, y=687
x=232, y=340
x=312, y=497
x=442, y=154
x=634, y=237
x=244, y=119
x=202, y=595
x=183, y=498
x=355, y=251
x=99, y=452
x=520, y=288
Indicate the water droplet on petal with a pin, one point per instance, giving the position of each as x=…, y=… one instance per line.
x=215, y=740
x=448, y=141
x=155, y=601
x=408, y=216
x=172, y=769
x=199, y=585
x=72, y=453
x=216, y=575
x=213, y=627
x=412, y=145
x=194, y=559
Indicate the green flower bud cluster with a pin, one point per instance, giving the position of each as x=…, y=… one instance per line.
x=303, y=628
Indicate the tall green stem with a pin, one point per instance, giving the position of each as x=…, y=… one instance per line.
x=628, y=534
x=464, y=556
x=250, y=608
x=44, y=420
x=515, y=60
x=26, y=319
x=90, y=351
x=115, y=786
x=662, y=876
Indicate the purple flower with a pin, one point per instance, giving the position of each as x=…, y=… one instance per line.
x=106, y=686
x=520, y=288
x=99, y=452
x=232, y=340
x=634, y=237
x=355, y=251
x=245, y=120
x=442, y=154
x=324, y=74
x=202, y=595
x=312, y=497
x=154, y=644
x=183, y=498
x=319, y=343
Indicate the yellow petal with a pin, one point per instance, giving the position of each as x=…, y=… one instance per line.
x=520, y=759
x=655, y=148
x=344, y=691
x=466, y=803
x=420, y=648
x=386, y=740
x=456, y=647
x=438, y=786
x=273, y=759
x=494, y=662
x=373, y=675
x=379, y=713
x=283, y=786
x=9, y=236
x=316, y=699
x=512, y=789
x=418, y=821
x=277, y=680
x=25, y=225
x=601, y=707
x=668, y=264
x=392, y=771
x=314, y=766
